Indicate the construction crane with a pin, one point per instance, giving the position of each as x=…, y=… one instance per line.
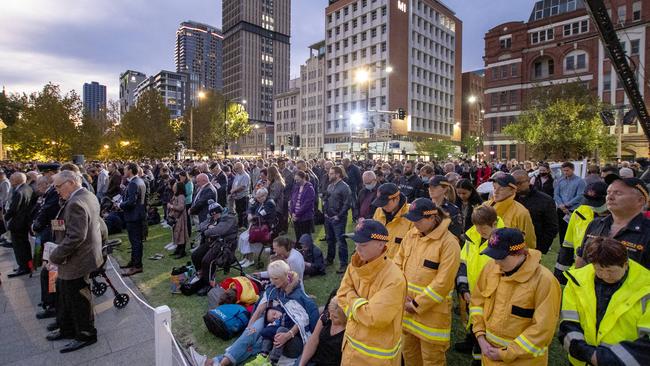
x=618, y=58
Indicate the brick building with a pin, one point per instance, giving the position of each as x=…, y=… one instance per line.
x=560, y=44
x=473, y=108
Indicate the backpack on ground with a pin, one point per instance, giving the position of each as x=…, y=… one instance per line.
x=214, y=297
x=226, y=321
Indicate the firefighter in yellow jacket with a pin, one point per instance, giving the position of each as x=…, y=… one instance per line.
x=593, y=205
x=513, y=213
x=371, y=294
x=429, y=257
x=515, y=304
x=606, y=308
x=391, y=205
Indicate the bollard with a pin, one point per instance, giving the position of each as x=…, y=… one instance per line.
x=163, y=340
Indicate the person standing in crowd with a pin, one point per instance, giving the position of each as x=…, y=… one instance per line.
x=134, y=213
x=276, y=189
x=626, y=201
x=541, y=208
x=367, y=194
x=18, y=218
x=605, y=320
x=102, y=181
x=220, y=182
x=335, y=206
x=391, y=207
x=204, y=194
x=593, y=205
x=467, y=199
x=301, y=206
x=352, y=177
x=5, y=195
x=184, y=177
x=513, y=213
x=426, y=174
x=239, y=193
x=176, y=210
x=78, y=253
x=410, y=184
x=429, y=257
x=593, y=175
x=516, y=305
x=114, y=181
x=543, y=181
x=483, y=173
x=372, y=296
x=442, y=193
x=568, y=195
x=287, y=175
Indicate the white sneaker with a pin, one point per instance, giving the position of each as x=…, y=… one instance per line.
x=247, y=263
x=168, y=245
x=197, y=358
x=243, y=261
x=172, y=247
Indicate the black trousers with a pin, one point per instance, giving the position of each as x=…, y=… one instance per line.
x=47, y=299
x=75, y=311
x=22, y=249
x=134, y=231
x=241, y=207
x=562, y=225
x=303, y=227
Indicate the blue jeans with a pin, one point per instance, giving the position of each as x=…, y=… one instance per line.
x=247, y=345
x=334, y=231
x=134, y=229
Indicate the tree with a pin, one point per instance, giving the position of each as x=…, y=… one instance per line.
x=238, y=125
x=438, y=149
x=470, y=144
x=10, y=108
x=562, y=128
x=89, y=137
x=46, y=128
x=146, y=130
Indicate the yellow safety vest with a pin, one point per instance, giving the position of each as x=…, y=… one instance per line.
x=626, y=317
x=575, y=232
x=471, y=255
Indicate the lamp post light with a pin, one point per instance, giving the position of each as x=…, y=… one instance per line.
x=472, y=99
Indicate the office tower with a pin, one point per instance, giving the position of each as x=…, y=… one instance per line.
x=172, y=86
x=129, y=81
x=94, y=100
x=199, y=50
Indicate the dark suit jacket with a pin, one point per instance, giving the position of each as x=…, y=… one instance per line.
x=222, y=190
x=133, y=202
x=114, y=182
x=79, y=250
x=48, y=210
x=18, y=216
x=200, y=203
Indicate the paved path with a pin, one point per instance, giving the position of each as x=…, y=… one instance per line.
x=125, y=337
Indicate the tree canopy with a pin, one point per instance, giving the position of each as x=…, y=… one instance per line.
x=438, y=149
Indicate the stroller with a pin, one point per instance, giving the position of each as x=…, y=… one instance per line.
x=99, y=288
x=222, y=255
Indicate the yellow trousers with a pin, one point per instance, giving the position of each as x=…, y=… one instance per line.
x=417, y=352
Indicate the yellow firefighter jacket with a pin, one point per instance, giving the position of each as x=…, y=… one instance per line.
x=397, y=228
x=516, y=216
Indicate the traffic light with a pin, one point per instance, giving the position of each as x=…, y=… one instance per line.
x=297, y=140
x=290, y=140
x=401, y=113
x=272, y=147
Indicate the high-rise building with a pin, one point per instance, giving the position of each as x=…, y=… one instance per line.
x=472, y=104
x=560, y=44
x=287, y=120
x=94, y=99
x=312, y=105
x=256, y=59
x=199, y=50
x=172, y=86
x=129, y=81
x=383, y=55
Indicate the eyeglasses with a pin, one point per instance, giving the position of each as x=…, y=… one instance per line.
x=58, y=186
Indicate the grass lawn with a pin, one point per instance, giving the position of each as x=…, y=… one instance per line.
x=188, y=311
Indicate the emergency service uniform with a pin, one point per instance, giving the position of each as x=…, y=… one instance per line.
x=372, y=297
x=397, y=228
x=430, y=263
x=575, y=233
x=621, y=336
x=516, y=216
x=517, y=313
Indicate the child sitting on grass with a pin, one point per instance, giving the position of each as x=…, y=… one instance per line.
x=276, y=319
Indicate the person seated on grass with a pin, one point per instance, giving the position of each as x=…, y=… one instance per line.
x=324, y=346
x=285, y=291
x=284, y=250
x=312, y=255
x=277, y=320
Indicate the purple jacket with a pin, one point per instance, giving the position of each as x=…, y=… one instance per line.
x=302, y=203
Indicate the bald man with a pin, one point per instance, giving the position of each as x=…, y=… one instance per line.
x=205, y=192
x=18, y=219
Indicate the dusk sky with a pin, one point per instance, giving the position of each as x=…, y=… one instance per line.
x=69, y=42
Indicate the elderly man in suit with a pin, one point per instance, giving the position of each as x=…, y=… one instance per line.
x=205, y=192
x=18, y=218
x=77, y=231
x=134, y=214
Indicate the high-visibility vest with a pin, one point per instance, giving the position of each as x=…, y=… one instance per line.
x=575, y=232
x=471, y=255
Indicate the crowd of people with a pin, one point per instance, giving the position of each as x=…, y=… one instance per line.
x=425, y=234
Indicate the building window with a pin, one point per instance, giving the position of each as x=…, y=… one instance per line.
x=622, y=14
x=607, y=82
x=575, y=61
x=505, y=43
x=636, y=10
x=634, y=46
x=542, y=36
x=576, y=28
x=543, y=68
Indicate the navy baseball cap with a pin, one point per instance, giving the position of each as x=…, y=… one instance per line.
x=504, y=242
x=385, y=193
x=506, y=180
x=437, y=180
x=368, y=230
x=49, y=167
x=421, y=208
x=630, y=182
x=595, y=194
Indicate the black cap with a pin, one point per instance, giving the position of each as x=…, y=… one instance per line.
x=437, y=180
x=506, y=180
x=385, y=193
x=630, y=182
x=595, y=194
x=215, y=207
x=49, y=167
x=421, y=208
x=368, y=230
x=504, y=242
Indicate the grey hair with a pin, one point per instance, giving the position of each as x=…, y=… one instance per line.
x=262, y=191
x=69, y=176
x=278, y=268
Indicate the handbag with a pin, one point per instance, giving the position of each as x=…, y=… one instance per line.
x=259, y=233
